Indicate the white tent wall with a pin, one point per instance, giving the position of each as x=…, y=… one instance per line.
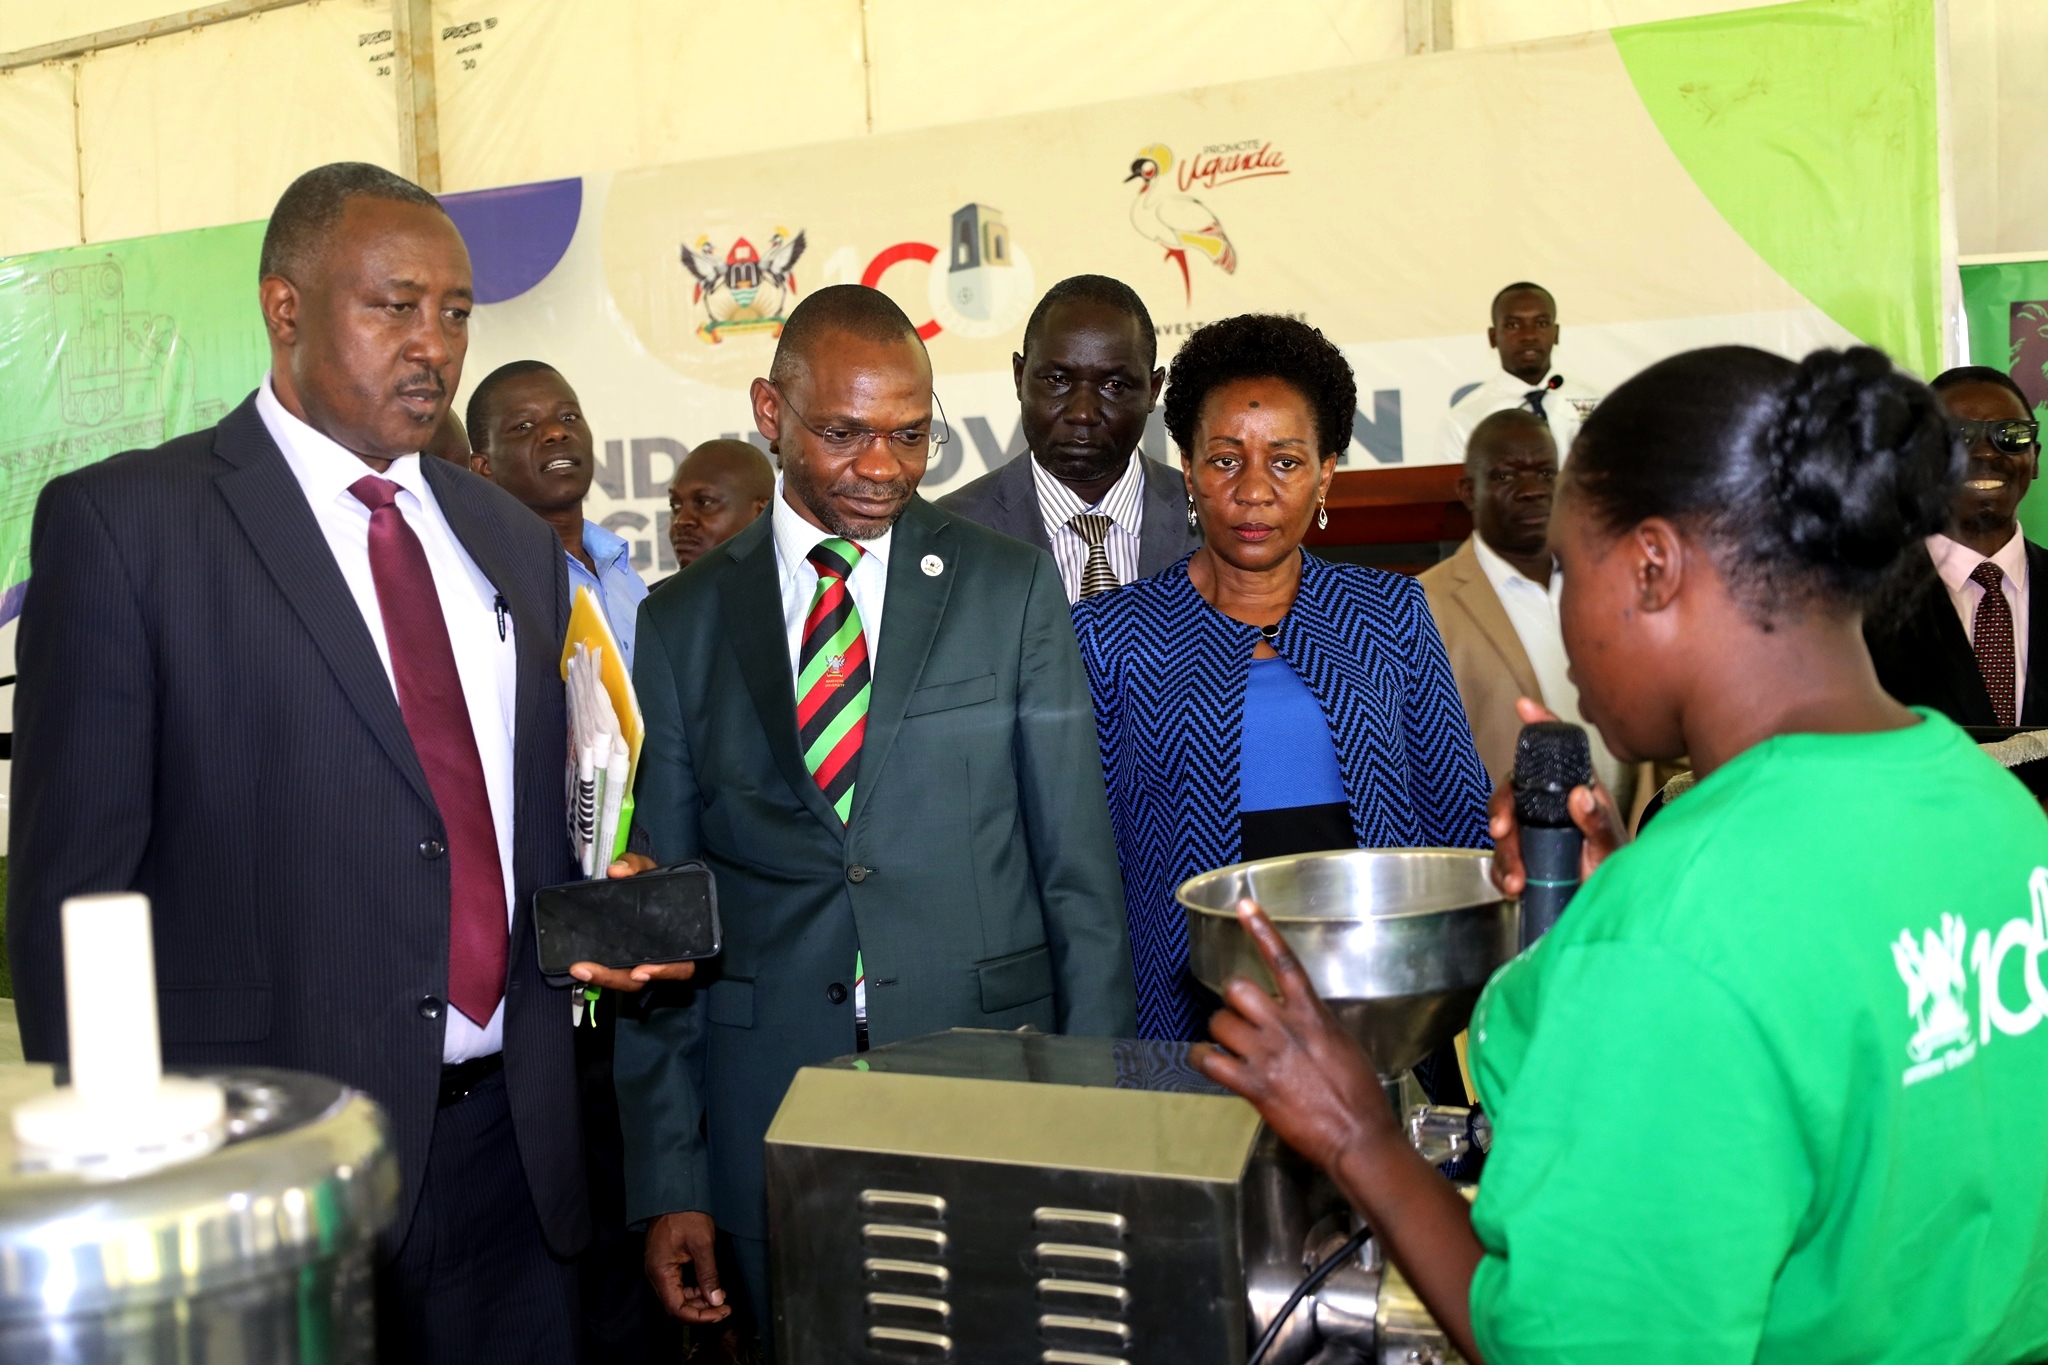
x=206, y=127
x=38, y=160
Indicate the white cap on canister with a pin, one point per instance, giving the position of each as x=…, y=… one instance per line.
x=120, y=1116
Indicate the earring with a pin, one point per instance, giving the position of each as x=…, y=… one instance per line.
x=1322, y=514
x=1193, y=524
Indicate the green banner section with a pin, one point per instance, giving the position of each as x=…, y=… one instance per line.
x=2006, y=306
x=1811, y=128
x=113, y=347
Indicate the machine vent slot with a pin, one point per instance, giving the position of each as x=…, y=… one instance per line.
x=897, y=1236
x=1076, y=1258
x=1091, y=1294
x=1102, y=1330
x=910, y=1341
x=921, y=1273
x=1079, y=1358
x=1081, y=1221
x=916, y=1305
x=903, y=1204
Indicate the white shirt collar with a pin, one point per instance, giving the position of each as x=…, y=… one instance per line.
x=1505, y=576
x=1955, y=561
x=795, y=538
x=1122, y=504
x=325, y=468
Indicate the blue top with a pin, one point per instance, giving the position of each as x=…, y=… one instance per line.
x=1289, y=758
x=1169, y=676
x=618, y=588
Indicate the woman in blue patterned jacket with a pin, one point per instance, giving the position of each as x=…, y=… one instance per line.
x=1254, y=700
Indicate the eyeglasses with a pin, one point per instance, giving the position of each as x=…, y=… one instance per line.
x=847, y=438
x=2008, y=435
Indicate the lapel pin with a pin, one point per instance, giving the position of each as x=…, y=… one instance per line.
x=932, y=565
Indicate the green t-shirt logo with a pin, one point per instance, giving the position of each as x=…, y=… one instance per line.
x=1937, y=982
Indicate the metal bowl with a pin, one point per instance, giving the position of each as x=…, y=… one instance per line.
x=1399, y=941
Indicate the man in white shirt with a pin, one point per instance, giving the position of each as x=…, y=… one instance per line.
x=308, y=700
x=1962, y=637
x=1495, y=599
x=1524, y=333
x=1086, y=382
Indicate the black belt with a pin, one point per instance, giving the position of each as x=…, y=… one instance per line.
x=459, y=1078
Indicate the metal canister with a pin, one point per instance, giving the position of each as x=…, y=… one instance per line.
x=256, y=1254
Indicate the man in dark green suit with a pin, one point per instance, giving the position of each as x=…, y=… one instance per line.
x=868, y=716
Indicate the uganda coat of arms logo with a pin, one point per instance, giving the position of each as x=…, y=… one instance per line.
x=749, y=290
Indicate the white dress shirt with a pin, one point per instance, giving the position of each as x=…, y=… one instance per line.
x=795, y=538
x=1123, y=504
x=1532, y=611
x=1955, y=562
x=487, y=664
x=1564, y=407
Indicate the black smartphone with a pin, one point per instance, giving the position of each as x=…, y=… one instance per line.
x=667, y=915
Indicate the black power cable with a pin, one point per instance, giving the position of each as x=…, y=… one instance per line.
x=1303, y=1290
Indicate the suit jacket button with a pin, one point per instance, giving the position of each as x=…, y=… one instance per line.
x=836, y=993
x=431, y=849
x=430, y=1007
x=857, y=873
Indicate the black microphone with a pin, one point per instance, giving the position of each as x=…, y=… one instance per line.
x=1551, y=758
x=1556, y=382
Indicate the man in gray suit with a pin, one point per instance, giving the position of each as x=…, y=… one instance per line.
x=868, y=716
x=1086, y=382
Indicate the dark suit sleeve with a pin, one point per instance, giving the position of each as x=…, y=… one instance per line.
x=1066, y=820
x=658, y=1058
x=1447, y=781
x=84, y=747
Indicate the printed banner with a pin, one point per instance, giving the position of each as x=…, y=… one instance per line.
x=1666, y=193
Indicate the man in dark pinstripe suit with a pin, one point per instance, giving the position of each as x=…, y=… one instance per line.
x=299, y=686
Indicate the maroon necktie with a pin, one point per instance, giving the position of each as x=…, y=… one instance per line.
x=1991, y=637
x=437, y=716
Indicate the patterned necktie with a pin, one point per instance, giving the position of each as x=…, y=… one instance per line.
x=832, y=677
x=1533, y=400
x=1096, y=575
x=1991, y=638
x=437, y=717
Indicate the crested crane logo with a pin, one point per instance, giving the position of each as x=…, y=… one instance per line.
x=1938, y=981
x=747, y=291
x=1163, y=211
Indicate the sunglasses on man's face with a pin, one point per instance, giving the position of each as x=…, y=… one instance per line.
x=2008, y=435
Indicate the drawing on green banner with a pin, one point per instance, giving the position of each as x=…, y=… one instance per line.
x=117, y=346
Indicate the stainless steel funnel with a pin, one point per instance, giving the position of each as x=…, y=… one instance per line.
x=1398, y=941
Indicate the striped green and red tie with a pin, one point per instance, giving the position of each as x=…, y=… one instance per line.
x=832, y=677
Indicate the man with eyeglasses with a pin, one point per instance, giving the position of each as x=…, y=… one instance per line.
x=1524, y=333
x=1962, y=637
x=869, y=717
x=1495, y=599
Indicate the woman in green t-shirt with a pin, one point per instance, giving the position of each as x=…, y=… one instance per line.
x=1776, y=1087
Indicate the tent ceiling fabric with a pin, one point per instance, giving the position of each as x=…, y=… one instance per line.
x=940, y=61
x=38, y=160
x=209, y=126
x=568, y=87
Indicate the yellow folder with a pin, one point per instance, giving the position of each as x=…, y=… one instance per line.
x=588, y=627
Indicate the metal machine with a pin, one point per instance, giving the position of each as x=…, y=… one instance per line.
x=147, y=1219
x=1013, y=1197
